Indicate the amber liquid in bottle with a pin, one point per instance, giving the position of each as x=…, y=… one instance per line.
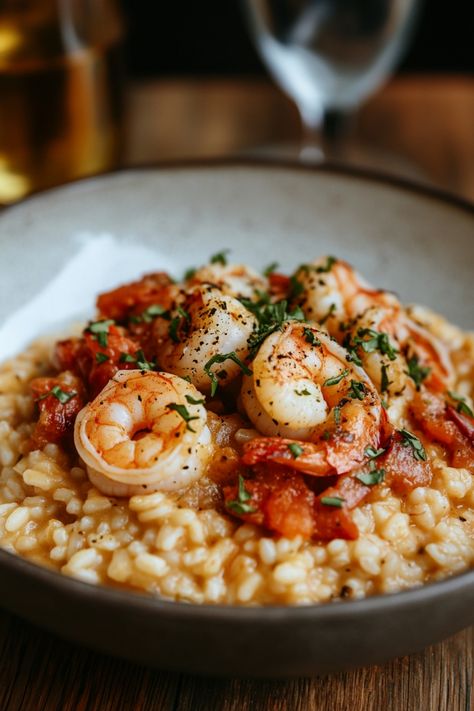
x=60, y=96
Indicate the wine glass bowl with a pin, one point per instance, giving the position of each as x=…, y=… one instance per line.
x=329, y=55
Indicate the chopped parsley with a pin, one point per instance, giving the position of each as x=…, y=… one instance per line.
x=375, y=476
x=100, y=330
x=417, y=372
x=221, y=358
x=310, y=337
x=173, y=329
x=324, y=269
x=152, y=312
x=220, y=257
x=297, y=287
x=240, y=505
x=372, y=453
x=101, y=357
x=295, y=449
x=62, y=395
x=182, y=411
x=302, y=392
x=384, y=381
x=357, y=391
x=271, y=318
x=336, y=380
x=371, y=341
x=270, y=269
x=189, y=273
x=193, y=401
x=139, y=359
x=336, y=501
x=183, y=313
x=410, y=440
x=462, y=405
x=337, y=414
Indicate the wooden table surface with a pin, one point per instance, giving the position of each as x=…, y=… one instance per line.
x=429, y=123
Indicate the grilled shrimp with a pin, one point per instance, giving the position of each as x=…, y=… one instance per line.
x=303, y=390
x=232, y=279
x=211, y=323
x=145, y=431
x=332, y=291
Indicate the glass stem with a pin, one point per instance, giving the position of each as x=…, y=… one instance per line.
x=325, y=135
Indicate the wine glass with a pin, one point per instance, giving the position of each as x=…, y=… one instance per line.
x=328, y=56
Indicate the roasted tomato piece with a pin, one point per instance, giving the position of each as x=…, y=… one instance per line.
x=276, y=498
x=404, y=471
x=332, y=518
x=59, y=400
x=280, y=285
x=134, y=298
x=443, y=424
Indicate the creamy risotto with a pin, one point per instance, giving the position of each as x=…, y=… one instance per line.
x=244, y=438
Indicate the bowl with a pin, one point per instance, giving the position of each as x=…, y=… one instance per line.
x=59, y=248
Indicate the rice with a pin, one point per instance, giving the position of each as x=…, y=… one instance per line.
x=52, y=515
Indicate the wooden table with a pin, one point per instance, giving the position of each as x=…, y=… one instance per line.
x=430, y=123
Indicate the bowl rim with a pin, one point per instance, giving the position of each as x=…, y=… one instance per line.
x=141, y=601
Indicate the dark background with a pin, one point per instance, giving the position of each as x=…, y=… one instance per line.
x=209, y=37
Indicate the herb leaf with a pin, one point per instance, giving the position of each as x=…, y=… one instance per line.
x=336, y=501
x=240, y=505
x=139, y=359
x=270, y=269
x=375, y=476
x=100, y=330
x=220, y=257
x=372, y=453
x=101, y=357
x=62, y=395
x=417, y=372
x=193, y=401
x=329, y=313
x=337, y=379
x=327, y=267
x=310, y=337
x=462, y=405
x=412, y=441
x=357, y=391
x=270, y=317
x=384, y=381
x=295, y=449
x=189, y=273
x=221, y=358
x=182, y=411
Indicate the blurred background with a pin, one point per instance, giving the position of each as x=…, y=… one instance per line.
x=87, y=86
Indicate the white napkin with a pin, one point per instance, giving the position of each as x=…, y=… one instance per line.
x=101, y=263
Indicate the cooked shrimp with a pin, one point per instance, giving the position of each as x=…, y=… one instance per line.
x=210, y=324
x=232, y=279
x=304, y=389
x=332, y=291
x=145, y=431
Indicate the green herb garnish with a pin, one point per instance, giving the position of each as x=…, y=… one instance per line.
x=357, y=391
x=193, y=401
x=221, y=358
x=101, y=357
x=372, y=453
x=336, y=380
x=271, y=318
x=462, y=405
x=302, y=392
x=100, y=330
x=173, y=329
x=270, y=269
x=310, y=337
x=371, y=341
x=182, y=411
x=152, y=312
x=327, y=267
x=384, y=381
x=336, y=501
x=240, y=505
x=189, y=273
x=295, y=449
x=62, y=395
x=375, y=476
x=417, y=372
x=139, y=359
x=220, y=257
x=411, y=440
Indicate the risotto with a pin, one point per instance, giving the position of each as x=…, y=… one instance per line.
x=241, y=438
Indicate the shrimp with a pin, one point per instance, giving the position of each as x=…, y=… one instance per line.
x=209, y=324
x=318, y=411
x=235, y=280
x=145, y=431
x=331, y=291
